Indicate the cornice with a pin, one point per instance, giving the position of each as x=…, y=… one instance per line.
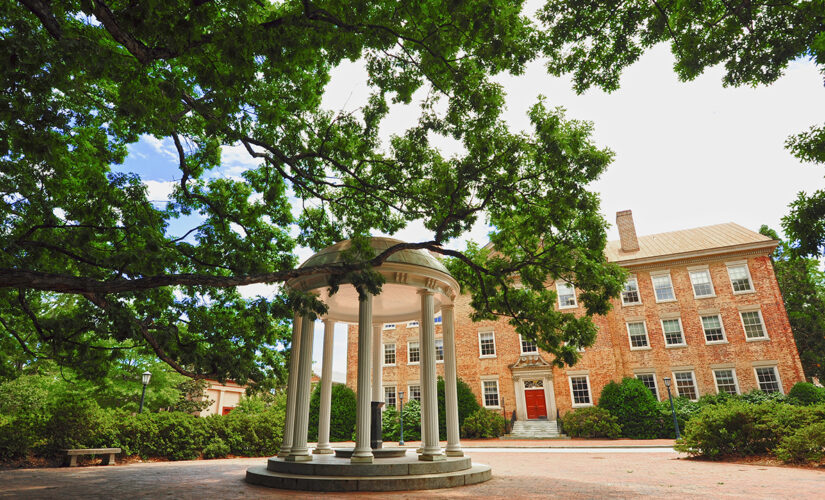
x=699, y=256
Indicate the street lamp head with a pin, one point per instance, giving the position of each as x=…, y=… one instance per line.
x=667, y=382
x=401, y=395
x=146, y=376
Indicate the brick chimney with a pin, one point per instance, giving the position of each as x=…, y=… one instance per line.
x=627, y=231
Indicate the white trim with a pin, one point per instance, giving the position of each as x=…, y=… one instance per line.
x=395, y=389
x=706, y=270
x=655, y=382
x=409, y=391
x=411, y=325
x=775, y=372
x=408, y=352
x=647, y=336
x=662, y=274
x=761, y=320
x=435, y=346
x=495, y=351
x=740, y=263
x=681, y=331
x=521, y=346
x=558, y=295
x=388, y=326
x=735, y=378
x=589, y=391
x=692, y=377
x=722, y=325
x=384, y=354
x=633, y=278
x=489, y=378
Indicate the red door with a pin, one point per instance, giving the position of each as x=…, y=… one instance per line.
x=536, y=407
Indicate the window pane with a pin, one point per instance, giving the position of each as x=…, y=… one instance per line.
x=389, y=354
x=702, y=285
x=412, y=324
x=768, y=381
x=638, y=335
x=673, y=332
x=414, y=353
x=712, y=325
x=567, y=295
x=725, y=381
x=490, y=393
x=415, y=392
x=488, y=344
x=439, y=349
x=663, y=288
x=739, y=279
x=581, y=394
x=389, y=396
x=649, y=380
x=684, y=385
x=528, y=346
x=437, y=320
x=753, y=325
x=630, y=295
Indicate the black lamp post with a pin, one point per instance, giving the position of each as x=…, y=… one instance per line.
x=146, y=376
x=672, y=409
x=401, y=416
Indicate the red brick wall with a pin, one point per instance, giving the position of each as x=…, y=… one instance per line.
x=610, y=358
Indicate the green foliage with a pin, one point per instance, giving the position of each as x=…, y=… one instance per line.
x=249, y=434
x=483, y=423
x=216, y=448
x=758, y=396
x=342, y=413
x=193, y=397
x=634, y=407
x=806, y=393
x=807, y=444
x=591, y=422
x=78, y=423
x=175, y=436
x=467, y=404
x=412, y=423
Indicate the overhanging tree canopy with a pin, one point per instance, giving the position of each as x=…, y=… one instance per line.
x=82, y=80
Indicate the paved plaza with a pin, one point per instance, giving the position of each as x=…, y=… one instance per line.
x=531, y=472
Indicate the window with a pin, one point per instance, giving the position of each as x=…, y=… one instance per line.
x=389, y=354
x=413, y=353
x=726, y=381
x=487, y=344
x=580, y=390
x=412, y=324
x=712, y=326
x=686, y=385
x=389, y=396
x=702, y=285
x=490, y=389
x=567, y=295
x=437, y=319
x=754, y=328
x=439, y=350
x=638, y=335
x=663, y=288
x=740, y=278
x=672, y=329
x=527, y=346
x=389, y=326
x=768, y=379
x=415, y=392
x=649, y=380
x=630, y=294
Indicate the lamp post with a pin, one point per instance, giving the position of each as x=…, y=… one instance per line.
x=672, y=409
x=146, y=376
x=401, y=416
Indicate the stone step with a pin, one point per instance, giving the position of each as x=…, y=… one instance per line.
x=535, y=429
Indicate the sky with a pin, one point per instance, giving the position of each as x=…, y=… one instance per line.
x=688, y=154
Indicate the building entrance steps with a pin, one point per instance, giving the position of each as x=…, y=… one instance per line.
x=535, y=429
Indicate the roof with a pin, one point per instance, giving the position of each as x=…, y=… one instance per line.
x=417, y=257
x=700, y=240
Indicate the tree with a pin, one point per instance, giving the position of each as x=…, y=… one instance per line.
x=802, y=284
x=83, y=80
x=754, y=39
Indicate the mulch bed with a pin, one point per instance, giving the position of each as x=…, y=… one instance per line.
x=764, y=460
x=33, y=462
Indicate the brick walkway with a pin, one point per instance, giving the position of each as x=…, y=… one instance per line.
x=551, y=473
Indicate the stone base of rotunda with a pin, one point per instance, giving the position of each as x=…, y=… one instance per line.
x=330, y=473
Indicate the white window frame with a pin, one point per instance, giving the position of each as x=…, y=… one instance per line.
x=735, y=379
x=704, y=269
x=384, y=353
x=761, y=320
x=589, y=391
x=437, y=319
x=662, y=274
x=412, y=324
x=409, y=391
x=693, y=378
x=409, y=342
x=435, y=347
x=495, y=352
x=775, y=372
x=647, y=336
x=743, y=263
x=395, y=390
x=388, y=326
x=521, y=346
x=638, y=292
x=498, y=393
x=655, y=382
x=681, y=330
x=558, y=295
x=721, y=323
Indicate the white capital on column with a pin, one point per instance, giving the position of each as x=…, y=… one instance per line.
x=326, y=390
x=450, y=389
x=299, y=451
x=291, y=385
x=377, y=363
x=429, y=401
x=363, y=451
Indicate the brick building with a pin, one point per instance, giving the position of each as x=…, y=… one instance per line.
x=701, y=306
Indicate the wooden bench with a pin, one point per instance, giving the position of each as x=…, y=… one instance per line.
x=108, y=455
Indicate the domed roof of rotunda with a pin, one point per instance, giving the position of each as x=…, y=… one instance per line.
x=417, y=257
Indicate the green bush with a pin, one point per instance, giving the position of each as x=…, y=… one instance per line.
x=216, y=448
x=249, y=434
x=467, y=404
x=412, y=423
x=591, y=422
x=171, y=435
x=22, y=434
x=483, y=423
x=634, y=407
x=757, y=396
x=79, y=423
x=806, y=393
x=685, y=410
x=807, y=444
x=342, y=413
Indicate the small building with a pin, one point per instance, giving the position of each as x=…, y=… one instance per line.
x=225, y=397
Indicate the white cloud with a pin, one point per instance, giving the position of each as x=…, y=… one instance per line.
x=159, y=191
x=165, y=147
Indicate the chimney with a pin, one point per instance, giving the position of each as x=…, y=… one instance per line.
x=627, y=231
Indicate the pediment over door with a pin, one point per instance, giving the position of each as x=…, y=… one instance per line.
x=531, y=362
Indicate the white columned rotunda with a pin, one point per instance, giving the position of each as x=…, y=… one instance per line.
x=417, y=286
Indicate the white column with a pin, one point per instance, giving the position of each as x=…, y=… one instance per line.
x=377, y=363
x=326, y=391
x=291, y=385
x=299, y=451
x=450, y=389
x=363, y=451
x=429, y=400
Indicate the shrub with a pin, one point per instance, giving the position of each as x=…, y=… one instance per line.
x=79, y=423
x=805, y=445
x=342, y=413
x=249, y=434
x=483, y=423
x=591, y=422
x=467, y=404
x=634, y=407
x=806, y=393
x=172, y=435
x=685, y=410
x=757, y=396
x=412, y=423
x=216, y=448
